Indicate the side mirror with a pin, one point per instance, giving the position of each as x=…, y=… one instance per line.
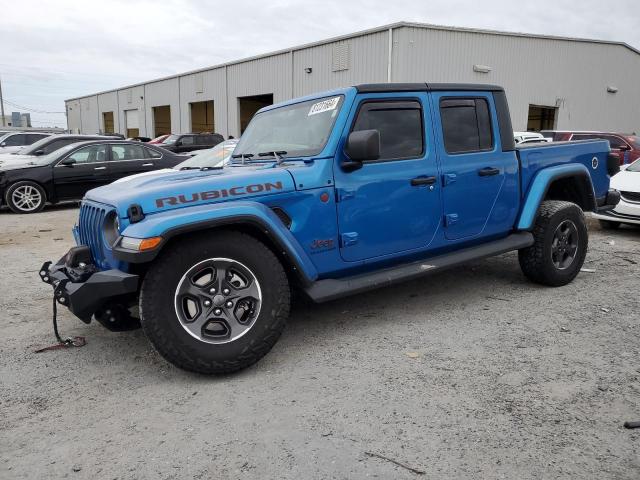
x=178, y=143
x=624, y=147
x=39, y=152
x=68, y=162
x=3, y=144
x=362, y=145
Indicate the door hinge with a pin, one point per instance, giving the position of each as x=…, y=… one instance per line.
x=348, y=239
x=342, y=194
x=449, y=178
x=450, y=219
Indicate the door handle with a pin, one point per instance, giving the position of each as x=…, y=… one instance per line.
x=100, y=168
x=147, y=164
x=488, y=171
x=419, y=181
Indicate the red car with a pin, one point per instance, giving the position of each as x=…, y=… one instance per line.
x=627, y=147
x=159, y=139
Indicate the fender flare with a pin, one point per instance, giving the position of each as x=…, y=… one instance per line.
x=202, y=217
x=540, y=186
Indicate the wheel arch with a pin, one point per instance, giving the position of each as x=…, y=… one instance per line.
x=254, y=219
x=570, y=183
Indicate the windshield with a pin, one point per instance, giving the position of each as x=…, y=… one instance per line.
x=211, y=158
x=634, y=167
x=53, y=156
x=171, y=139
x=299, y=130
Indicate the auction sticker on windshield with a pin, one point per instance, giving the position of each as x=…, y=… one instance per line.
x=324, y=106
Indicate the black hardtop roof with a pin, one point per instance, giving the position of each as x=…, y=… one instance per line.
x=426, y=87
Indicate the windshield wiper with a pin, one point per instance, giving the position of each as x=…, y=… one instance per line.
x=190, y=168
x=276, y=154
x=242, y=156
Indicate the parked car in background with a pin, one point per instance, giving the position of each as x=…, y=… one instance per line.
x=529, y=137
x=627, y=182
x=12, y=142
x=187, y=142
x=626, y=147
x=216, y=157
x=45, y=146
x=159, y=139
x=70, y=171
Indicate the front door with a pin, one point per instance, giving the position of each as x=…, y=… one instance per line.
x=391, y=205
x=89, y=170
x=479, y=180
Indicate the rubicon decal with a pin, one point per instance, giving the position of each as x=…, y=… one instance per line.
x=215, y=194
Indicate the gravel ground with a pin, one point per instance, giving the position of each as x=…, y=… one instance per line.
x=473, y=373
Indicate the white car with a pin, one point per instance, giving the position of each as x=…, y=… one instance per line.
x=12, y=142
x=627, y=182
x=215, y=157
x=529, y=137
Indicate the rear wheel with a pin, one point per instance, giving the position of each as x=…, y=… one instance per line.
x=560, y=244
x=25, y=197
x=215, y=303
x=609, y=225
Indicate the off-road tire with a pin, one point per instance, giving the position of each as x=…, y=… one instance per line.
x=22, y=185
x=609, y=225
x=161, y=323
x=536, y=261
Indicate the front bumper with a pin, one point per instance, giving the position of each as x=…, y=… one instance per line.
x=609, y=201
x=81, y=287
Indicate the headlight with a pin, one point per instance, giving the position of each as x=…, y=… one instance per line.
x=111, y=228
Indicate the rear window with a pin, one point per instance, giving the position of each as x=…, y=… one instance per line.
x=466, y=125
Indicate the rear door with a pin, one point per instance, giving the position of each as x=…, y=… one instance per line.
x=129, y=159
x=479, y=180
x=391, y=205
x=90, y=170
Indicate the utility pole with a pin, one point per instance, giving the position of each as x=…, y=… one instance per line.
x=2, y=105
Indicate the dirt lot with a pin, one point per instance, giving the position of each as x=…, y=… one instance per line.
x=474, y=373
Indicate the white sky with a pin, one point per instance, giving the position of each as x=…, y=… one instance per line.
x=54, y=50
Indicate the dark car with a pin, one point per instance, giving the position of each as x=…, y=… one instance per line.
x=69, y=172
x=48, y=145
x=187, y=142
x=626, y=147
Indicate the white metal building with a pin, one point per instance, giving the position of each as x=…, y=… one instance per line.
x=551, y=82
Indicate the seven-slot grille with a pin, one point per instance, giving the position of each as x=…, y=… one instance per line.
x=90, y=228
x=631, y=196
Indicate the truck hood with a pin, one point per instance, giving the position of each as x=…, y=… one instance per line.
x=626, y=181
x=168, y=189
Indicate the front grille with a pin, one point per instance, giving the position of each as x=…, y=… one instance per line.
x=90, y=228
x=631, y=196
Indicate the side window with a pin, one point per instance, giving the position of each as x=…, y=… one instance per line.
x=615, y=142
x=152, y=153
x=186, y=141
x=466, y=125
x=90, y=154
x=127, y=152
x=14, y=141
x=34, y=138
x=400, y=126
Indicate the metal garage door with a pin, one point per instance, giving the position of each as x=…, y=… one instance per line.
x=131, y=122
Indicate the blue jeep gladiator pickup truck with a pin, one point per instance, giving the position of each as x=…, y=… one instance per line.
x=331, y=194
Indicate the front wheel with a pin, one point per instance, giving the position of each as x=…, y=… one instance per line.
x=215, y=302
x=560, y=244
x=25, y=197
